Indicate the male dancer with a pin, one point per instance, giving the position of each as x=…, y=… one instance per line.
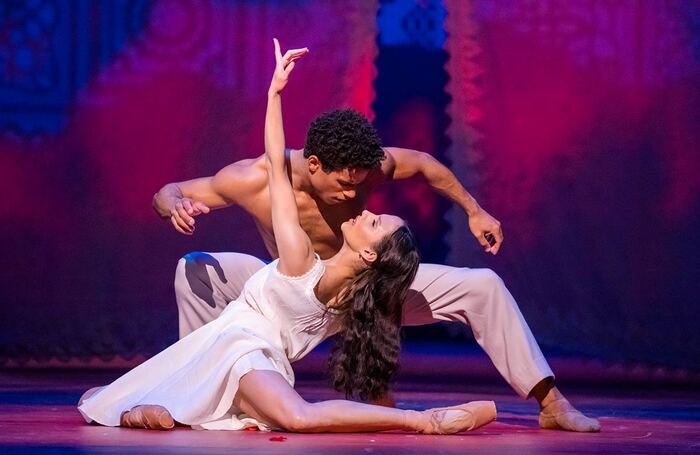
x=332, y=176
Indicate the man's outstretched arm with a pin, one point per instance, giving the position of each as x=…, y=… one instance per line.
x=182, y=201
x=404, y=163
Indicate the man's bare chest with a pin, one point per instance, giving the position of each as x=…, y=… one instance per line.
x=321, y=223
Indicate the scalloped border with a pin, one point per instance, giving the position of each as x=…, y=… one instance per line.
x=463, y=69
x=365, y=31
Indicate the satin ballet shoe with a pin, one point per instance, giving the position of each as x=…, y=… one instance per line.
x=148, y=416
x=561, y=415
x=455, y=419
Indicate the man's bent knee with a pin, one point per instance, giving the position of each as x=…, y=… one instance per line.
x=181, y=286
x=479, y=281
x=192, y=277
x=487, y=277
x=474, y=291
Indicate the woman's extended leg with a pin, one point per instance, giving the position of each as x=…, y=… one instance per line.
x=268, y=397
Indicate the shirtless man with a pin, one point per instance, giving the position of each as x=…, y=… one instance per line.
x=332, y=176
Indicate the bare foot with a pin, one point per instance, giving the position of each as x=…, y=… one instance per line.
x=559, y=414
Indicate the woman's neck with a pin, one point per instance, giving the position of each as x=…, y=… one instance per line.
x=341, y=269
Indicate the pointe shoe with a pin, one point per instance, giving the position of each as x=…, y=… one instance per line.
x=148, y=416
x=455, y=419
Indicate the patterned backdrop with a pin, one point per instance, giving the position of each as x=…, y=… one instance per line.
x=577, y=123
x=102, y=103
x=573, y=122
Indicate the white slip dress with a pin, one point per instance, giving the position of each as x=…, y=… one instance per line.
x=275, y=321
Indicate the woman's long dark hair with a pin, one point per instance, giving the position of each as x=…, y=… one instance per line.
x=366, y=354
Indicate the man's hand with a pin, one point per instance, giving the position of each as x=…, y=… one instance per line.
x=182, y=214
x=283, y=66
x=481, y=223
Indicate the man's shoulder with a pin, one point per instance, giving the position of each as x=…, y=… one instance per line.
x=243, y=177
x=248, y=169
x=384, y=171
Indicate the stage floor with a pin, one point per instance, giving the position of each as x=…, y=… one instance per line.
x=38, y=415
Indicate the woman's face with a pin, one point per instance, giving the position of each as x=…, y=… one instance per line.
x=368, y=229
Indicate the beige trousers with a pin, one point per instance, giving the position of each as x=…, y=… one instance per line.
x=206, y=282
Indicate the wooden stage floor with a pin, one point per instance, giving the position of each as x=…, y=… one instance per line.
x=38, y=415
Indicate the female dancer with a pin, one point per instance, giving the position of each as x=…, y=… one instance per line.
x=235, y=372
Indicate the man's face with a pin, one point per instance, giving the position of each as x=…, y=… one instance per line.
x=339, y=186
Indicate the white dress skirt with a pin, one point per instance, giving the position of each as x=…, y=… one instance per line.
x=276, y=320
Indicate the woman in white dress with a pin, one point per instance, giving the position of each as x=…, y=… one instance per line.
x=235, y=372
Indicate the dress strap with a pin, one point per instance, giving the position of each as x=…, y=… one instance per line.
x=309, y=278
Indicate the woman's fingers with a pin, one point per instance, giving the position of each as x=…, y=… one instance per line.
x=294, y=54
x=289, y=53
x=278, y=53
x=286, y=62
x=289, y=69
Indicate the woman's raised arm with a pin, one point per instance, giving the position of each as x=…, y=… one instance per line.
x=293, y=245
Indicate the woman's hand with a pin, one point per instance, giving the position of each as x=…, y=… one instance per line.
x=284, y=64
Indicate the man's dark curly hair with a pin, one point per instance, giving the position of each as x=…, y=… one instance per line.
x=344, y=138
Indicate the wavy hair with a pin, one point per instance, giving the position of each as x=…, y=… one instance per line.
x=366, y=354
